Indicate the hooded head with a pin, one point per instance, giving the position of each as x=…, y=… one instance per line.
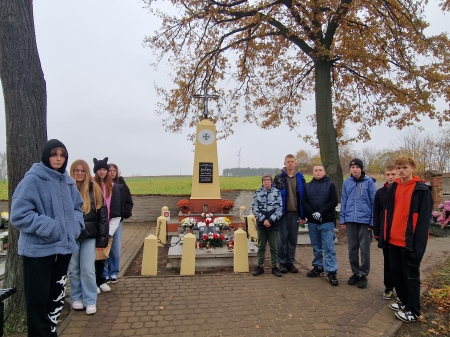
x=47, y=152
x=99, y=164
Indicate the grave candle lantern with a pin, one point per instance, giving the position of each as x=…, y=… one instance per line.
x=205, y=208
x=196, y=232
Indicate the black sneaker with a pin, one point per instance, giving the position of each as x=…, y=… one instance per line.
x=406, y=316
x=258, y=271
x=283, y=268
x=291, y=268
x=353, y=279
x=332, y=279
x=362, y=283
x=276, y=271
x=316, y=271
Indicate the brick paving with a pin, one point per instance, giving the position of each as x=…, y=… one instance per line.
x=243, y=305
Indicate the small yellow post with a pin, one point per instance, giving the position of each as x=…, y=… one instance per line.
x=150, y=256
x=161, y=230
x=240, y=252
x=241, y=212
x=188, y=255
x=164, y=208
x=251, y=226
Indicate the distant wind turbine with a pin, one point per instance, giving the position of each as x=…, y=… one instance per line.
x=239, y=157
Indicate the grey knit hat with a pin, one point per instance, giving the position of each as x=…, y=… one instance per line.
x=266, y=175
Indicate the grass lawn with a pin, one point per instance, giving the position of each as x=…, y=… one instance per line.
x=178, y=185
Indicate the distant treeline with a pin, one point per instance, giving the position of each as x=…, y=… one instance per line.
x=248, y=172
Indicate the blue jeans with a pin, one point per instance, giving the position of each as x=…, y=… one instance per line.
x=82, y=273
x=287, y=238
x=112, y=264
x=322, y=240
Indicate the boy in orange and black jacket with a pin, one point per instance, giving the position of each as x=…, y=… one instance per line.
x=407, y=222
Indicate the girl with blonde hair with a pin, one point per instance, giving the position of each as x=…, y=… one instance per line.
x=83, y=287
x=112, y=194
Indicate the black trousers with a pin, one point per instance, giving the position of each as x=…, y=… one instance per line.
x=99, y=266
x=406, y=276
x=45, y=290
x=388, y=281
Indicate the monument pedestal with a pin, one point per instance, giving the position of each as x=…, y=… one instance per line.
x=218, y=257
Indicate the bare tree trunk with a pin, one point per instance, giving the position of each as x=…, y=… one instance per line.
x=25, y=95
x=326, y=132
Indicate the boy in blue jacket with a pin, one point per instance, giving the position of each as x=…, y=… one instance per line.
x=356, y=216
x=46, y=209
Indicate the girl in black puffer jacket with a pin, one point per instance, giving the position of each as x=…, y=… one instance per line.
x=113, y=262
x=83, y=287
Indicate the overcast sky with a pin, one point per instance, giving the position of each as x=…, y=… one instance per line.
x=101, y=96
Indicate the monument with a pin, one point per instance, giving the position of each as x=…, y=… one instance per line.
x=205, y=192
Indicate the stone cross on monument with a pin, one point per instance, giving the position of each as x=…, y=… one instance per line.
x=205, y=97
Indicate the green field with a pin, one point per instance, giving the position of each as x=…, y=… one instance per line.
x=173, y=185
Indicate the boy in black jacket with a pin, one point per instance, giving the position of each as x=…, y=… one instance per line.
x=408, y=212
x=390, y=173
x=319, y=202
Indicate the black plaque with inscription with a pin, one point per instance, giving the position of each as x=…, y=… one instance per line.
x=205, y=173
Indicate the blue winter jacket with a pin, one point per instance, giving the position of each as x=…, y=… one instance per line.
x=267, y=205
x=46, y=209
x=357, y=200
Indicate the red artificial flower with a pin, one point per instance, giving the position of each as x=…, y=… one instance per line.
x=215, y=236
x=222, y=237
x=205, y=237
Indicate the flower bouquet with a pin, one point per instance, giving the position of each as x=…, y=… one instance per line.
x=442, y=214
x=207, y=218
x=222, y=222
x=188, y=223
x=213, y=240
x=226, y=204
x=183, y=204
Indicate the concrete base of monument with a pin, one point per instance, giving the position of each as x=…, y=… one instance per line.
x=217, y=258
x=303, y=236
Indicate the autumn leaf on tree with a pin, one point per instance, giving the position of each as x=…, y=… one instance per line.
x=364, y=63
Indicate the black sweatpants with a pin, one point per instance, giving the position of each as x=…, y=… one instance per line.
x=45, y=290
x=406, y=276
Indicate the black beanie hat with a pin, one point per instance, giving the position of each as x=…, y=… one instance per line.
x=357, y=162
x=98, y=164
x=266, y=175
x=48, y=147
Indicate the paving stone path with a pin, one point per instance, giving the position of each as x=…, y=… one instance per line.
x=243, y=305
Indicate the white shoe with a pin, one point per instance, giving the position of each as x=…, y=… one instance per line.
x=98, y=291
x=104, y=288
x=77, y=305
x=91, y=309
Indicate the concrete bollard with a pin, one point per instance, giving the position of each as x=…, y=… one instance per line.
x=188, y=255
x=150, y=256
x=161, y=230
x=251, y=227
x=241, y=212
x=165, y=212
x=240, y=252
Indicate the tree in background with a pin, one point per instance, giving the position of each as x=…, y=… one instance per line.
x=25, y=97
x=306, y=160
x=366, y=62
x=3, y=166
